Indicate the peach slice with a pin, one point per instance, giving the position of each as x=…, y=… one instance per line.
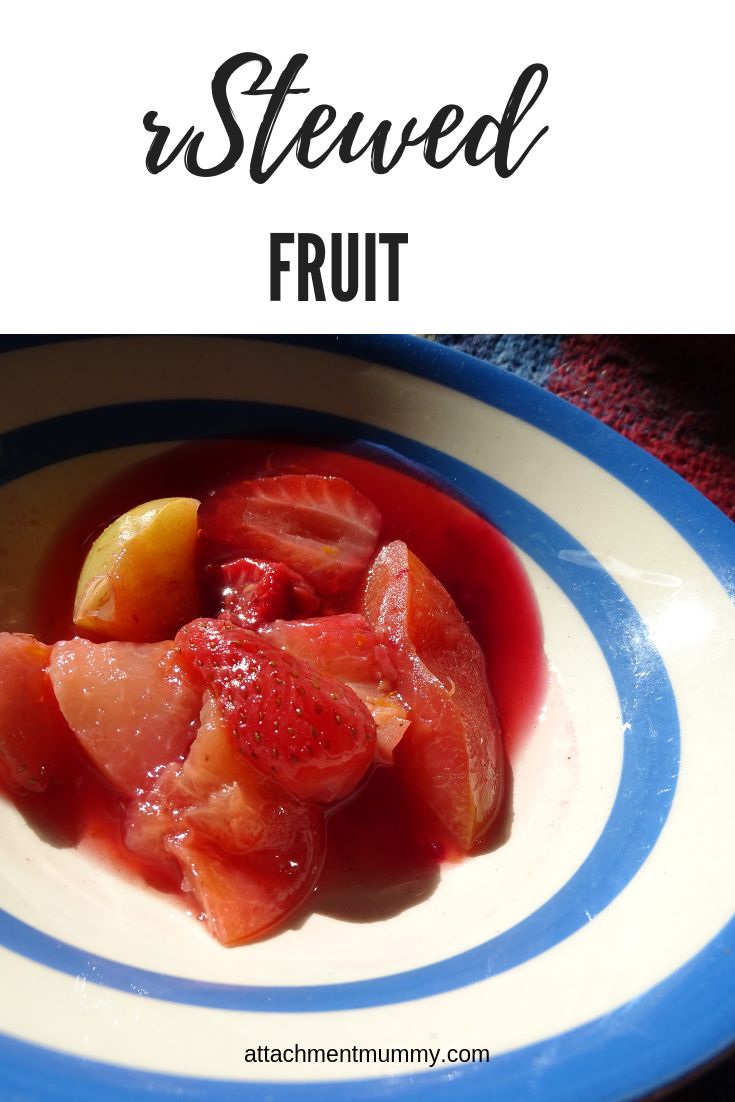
x=138, y=582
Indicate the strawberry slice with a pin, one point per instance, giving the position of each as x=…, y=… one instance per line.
x=452, y=753
x=319, y=526
x=130, y=705
x=254, y=593
x=346, y=647
x=308, y=731
x=34, y=738
x=249, y=852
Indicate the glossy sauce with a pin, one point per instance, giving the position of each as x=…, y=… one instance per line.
x=384, y=852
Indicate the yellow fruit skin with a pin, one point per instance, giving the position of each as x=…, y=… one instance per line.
x=139, y=582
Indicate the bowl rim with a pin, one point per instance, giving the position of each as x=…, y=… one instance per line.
x=681, y=1006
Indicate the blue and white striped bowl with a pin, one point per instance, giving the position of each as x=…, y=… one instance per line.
x=592, y=953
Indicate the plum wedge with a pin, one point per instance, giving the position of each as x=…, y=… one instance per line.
x=33, y=734
x=452, y=750
x=130, y=705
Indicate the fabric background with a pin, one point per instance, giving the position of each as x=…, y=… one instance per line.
x=674, y=396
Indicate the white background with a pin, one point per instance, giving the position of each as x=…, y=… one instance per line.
x=621, y=219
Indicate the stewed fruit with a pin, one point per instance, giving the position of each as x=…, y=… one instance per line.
x=247, y=667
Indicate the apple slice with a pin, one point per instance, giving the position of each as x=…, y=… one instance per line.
x=138, y=582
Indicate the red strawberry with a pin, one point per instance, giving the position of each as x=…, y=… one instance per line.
x=320, y=527
x=308, y=731
x=347, y=648
x=255, y=593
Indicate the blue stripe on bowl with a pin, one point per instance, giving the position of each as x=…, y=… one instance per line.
x=652, y=1040
x=651, y=747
